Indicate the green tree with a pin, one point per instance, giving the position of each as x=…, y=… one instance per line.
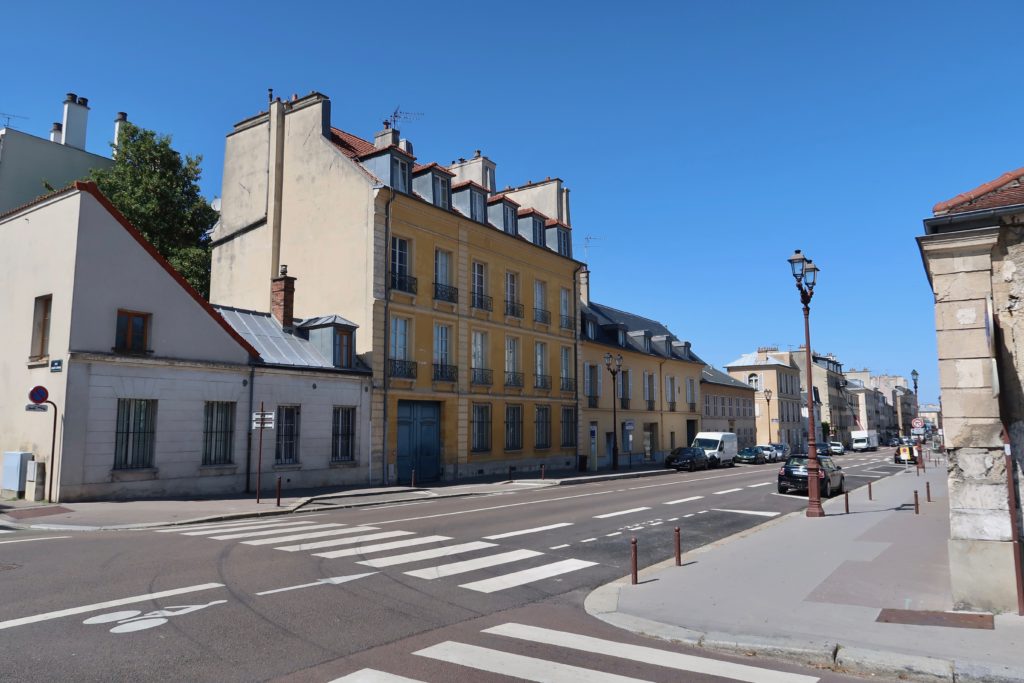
x=158, y=192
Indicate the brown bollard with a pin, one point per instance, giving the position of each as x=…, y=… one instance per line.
x=846, y=501
x=870, y=496
x=279, y=492
x=679, y=550
x=917, y=504
x=542, y=470
x=928, y=491
x=632, y=560
x=510, y=472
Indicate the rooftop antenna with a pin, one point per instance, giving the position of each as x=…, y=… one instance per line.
x=7, y=118
x=399, y=115
x=586, y=246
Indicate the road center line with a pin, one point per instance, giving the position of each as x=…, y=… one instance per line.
x=620, y=512
x=754, y=486
x=718, y=493
x=493, y=507
x=522, y=532
x=41, y=538
x=683, y=500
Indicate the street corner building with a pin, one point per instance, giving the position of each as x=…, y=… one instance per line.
x=151, y=386
x=973, y=253
x=467, y=294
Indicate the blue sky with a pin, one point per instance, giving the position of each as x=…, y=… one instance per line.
x=702, y=142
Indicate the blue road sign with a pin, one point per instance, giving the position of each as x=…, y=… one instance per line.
x=38, y=395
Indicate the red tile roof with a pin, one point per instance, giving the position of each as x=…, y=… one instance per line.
x=1006, y=190
x=433, y=165
x=531, y=210
x=468, y=183
x=551, y=223
x=501, y=197
x=354, y=147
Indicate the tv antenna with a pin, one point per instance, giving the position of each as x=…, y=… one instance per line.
x=586, y=246
x=7, y=118
x=399, y=115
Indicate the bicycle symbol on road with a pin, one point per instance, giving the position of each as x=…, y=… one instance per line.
x=133, y=620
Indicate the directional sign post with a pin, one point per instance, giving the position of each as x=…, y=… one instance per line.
x=40, y=397
x=261, y=420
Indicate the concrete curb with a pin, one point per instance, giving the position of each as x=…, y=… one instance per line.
x=598, y=478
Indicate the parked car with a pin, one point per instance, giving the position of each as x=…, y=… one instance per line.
x=905, y=455
x=793, y=476
x=823, y=449
x=688, y=459
x=770, y=451
x=782, y=450
x=720, y=447
x=836, y=448
x=893, y=442
x=752, y=455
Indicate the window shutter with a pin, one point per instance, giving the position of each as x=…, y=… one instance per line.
x=654, y=387
x=647, y=388
x=599, y=380
x=586, y=379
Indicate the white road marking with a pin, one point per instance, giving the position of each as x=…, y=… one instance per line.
x=647, y=655
x=270, y=532
x=227, y=525
x=6, y=531
x=527, y=576
x=494, y=507
x=312, y=534
x=374, y=676
x=252, y=527
x=517, y=666
x=689, y=515
x=330, y=581
x=28, y=540
x=655, y=523
x=614, y=533
x=559, y=547
x=718, y=493
x=427, y=554
x=672, y=519
x=754, y=486
x=381, y=547
x=10, y=623
x=342, y=541
x=702, y=512
x=453, y=568
x=620, y=512
x=522, y=532
x=756, y=513
x=588, y=540
x=682, y=500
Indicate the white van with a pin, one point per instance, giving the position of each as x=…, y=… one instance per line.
x=720, y=447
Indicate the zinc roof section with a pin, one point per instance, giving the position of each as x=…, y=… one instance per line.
x=606, y=315
x=715, y=376
x=323, y=320
x=275, y=346
x=752, y=359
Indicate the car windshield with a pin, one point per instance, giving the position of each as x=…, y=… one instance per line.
x=710, y=444
x=795, y=461
x=685, y=451
x=748, y=451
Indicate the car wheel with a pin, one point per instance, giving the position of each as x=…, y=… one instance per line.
x=783, y=490
x=828, y=488
x=713, y=463
x=692, y=467
x=732, y=463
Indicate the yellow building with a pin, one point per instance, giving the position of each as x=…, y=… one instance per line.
x=728, y=406
x=469, y=292
x=777, y=396
x=652, y=407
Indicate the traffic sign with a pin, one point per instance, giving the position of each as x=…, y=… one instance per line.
x=917, y=423
x=36, y=408
x=263, y=420
x=38, y=394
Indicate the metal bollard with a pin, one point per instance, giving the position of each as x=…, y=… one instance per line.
x=632, y=559
x=510, y=472
x=846, y=501
x=917, y=505
x=279, y=492
x=679, y=550
x=928, y=491
x=412, y=482
x=870, y=496
x=542, y=470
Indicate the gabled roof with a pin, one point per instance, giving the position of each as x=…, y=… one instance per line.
x=351, y=145
x=748, y=359
x=323, y=320
x=1006, y=190
x=468, y=183
x=502, y=197
x=432, y=166
x=713, y=375
x=609, y=319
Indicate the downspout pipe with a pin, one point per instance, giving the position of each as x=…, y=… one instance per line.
x=576, y=355
x=387, y=334
x=248, y=432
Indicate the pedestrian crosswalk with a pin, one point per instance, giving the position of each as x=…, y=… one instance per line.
x=537, y=643
x=421, y=556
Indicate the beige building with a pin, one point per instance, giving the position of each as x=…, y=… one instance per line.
x=778, y=418
x=830, y=387
x=973, y=252
x=151, y=388
x=728, y=406
x=466, y=293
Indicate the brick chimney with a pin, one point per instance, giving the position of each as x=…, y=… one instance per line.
x=282, y=299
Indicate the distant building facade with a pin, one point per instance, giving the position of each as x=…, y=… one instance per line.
x=728, y=406
x=778, y=418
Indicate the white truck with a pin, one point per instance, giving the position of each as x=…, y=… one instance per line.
x=864, y=440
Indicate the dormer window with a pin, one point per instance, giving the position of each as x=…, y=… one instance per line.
x=399, y=174
x=442, y=191
x=538, y=232
x=477, y=206
x=590, y=329
x=335, y=342
x=622, y=337
x=510, y=219
x=564, y=244
x=647, y=344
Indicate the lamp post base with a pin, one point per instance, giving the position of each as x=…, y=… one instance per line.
x=815, y=510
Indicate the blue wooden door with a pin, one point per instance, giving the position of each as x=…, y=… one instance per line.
x=419, y=441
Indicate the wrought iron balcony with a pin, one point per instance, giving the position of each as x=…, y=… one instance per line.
x=650, y=404
x=624, y=403
x=592, y=401
x=446, y=373
x=671, y=406
x=513, y=309
x=482, y=301
x=513, y=379
x=542, y=382
x=446, y=293
x=693, y=406
x=405, y=369
x=566, y=322
x=403, y=283
x=481, y=376
x=568, y=384
x=541, y=316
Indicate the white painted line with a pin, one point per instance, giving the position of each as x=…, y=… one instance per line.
x=29, y=540
x=493, y=507
x=655, y=523
x=228, y=525
x=342, y=541
x=689, y=515
x=718, y=493
x=270, y=532
x=682, y=500
x=702, y=512
x=374, y=676
x=588, y=540
x=647, y=655
x=756, y=513
x=252, y=527
x=517, y=666
x=559, y=547
x=307, y=535
x=527, y=576
x=522, y=532
x=672, y=519
x=431, y=554
x=6, y=531
x=380, y=547
x=620, y=512
x=10, y=623
x=330, y=581
x=453, y=568
x=754, y=486
x=614, y=533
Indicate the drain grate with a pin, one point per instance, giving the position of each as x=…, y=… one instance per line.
x=933, y=618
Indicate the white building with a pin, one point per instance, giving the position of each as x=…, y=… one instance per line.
x=154, y=388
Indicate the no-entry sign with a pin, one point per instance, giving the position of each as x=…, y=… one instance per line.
x=38, y=395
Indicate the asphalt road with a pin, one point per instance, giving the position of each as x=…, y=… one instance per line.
x=407, y=589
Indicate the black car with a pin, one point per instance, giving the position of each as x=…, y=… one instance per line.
x=752, y=455
x=689, y=459
x=793, y=475
x=822, y=449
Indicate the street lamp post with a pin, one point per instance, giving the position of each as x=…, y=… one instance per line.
x=614, y=366
x=768, y=400
x=806, y=275
x=914, y=375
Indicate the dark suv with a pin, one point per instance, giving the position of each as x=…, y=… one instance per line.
x=793, y=475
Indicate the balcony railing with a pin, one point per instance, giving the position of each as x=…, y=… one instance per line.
x=592, y=401
x=513, y=309
x=513, y=379
x=542, y=382
x=482, y=301
x=623, y=403
x=405, y=369
x=541, y=316
x=403, y=283
x=693, y=406
x=650, y=404
x=568, y=384
x=566, y=322
x=481, y=376
x=671, y=406
x=446, y=293
x=446, y=373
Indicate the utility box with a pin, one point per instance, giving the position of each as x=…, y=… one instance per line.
x=35, y=480
x=15, y=469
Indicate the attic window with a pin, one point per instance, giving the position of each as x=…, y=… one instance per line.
x=477, y=204
x=442, y=191
x=399, y=174
x=590, y=329
x=564, y=244
x=510, y=219
x=622, y=337
x=538, y=232
x=647, y=344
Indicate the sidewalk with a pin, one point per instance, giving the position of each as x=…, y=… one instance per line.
x=137, y=514
x=811, y=591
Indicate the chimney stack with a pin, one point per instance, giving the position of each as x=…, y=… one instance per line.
x=386, y=138
x=585, y=286
x=282, y=299
x=57, y=133
x=76, y=116
x=122, y=118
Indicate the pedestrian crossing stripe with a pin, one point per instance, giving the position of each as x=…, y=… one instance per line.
x=443, y=570
x=306, y=534
x=271, y=532
x=525, y=576
x=380, y=547
x=517, y=666
x=433, y=553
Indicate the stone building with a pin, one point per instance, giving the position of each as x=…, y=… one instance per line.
x=830, y=386
x=973, y=253
x=778, y=418
x=728, y=406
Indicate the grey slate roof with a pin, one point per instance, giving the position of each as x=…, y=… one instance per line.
x=748, y=359
x=321, y=320
x=715, y=376
x=606, y=315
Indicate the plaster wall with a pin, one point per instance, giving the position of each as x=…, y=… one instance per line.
x=545, y=196
x=26, y=162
